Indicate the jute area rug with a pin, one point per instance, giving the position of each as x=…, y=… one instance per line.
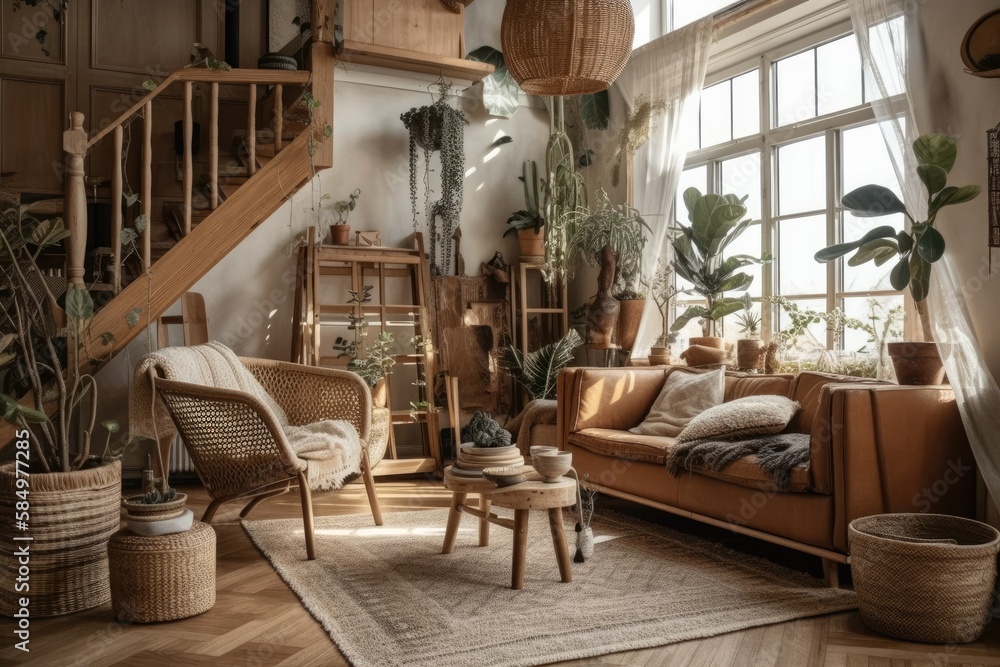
x=388, y=597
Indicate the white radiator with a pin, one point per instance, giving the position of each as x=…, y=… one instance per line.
x=180, y=461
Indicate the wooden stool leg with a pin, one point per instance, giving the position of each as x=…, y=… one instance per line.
x=559, y=542
x=520, y=549
x=484, y=525
x=453, y=518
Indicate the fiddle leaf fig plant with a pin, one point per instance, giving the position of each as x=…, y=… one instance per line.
x=923, y=244
x=716, y=221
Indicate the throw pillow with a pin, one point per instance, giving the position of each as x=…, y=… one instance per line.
x=684, y=396
x=752, y=415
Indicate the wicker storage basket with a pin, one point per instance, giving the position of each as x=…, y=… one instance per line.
x=71, y=517
x=162, y=578
x=924, y=577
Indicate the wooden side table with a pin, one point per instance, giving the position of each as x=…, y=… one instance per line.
x=532, y=494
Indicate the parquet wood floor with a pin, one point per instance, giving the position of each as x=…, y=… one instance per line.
x=257, y=621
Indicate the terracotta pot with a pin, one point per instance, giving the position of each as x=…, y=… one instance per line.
x=341, y=234
x=748, y=354
x=916, y=363
x=379, y=394
x=708, y=341
x=72, y=516
x=531, y=243
x=659, y=355
x=629, y=316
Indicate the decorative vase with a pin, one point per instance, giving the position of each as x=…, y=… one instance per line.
x=629, y=316
x=72, y=517
x=659, y=355
x=917, y=363
x=708, y=341
x=340, y=234
x=531, y=243
x=748, y=354
x=380, y=393
x=602, y=316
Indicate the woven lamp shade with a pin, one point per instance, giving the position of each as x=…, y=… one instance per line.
x=566, y=47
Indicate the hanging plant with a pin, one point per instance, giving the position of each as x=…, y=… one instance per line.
x=438, y=128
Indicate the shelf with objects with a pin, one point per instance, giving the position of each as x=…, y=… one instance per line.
x=366, y=308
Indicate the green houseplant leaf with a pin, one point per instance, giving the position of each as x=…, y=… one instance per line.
x=500, y=90
x=79, y=304
x=873, y=201
x=933, y=176
x=931, y=245
x=939, y=150
x=538, y=371
x=595, y=110
x=840, y=249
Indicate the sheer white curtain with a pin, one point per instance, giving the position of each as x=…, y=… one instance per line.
x=671, y=69
x=886, y=48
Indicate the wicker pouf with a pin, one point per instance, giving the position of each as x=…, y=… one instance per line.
x=924, y=577
x=162, y=578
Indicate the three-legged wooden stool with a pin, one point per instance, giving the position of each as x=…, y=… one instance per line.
x=533, y=494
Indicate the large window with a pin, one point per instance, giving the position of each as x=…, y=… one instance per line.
x=793, y=132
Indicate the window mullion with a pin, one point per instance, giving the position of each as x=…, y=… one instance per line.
x=832, y=188
x=768, y=280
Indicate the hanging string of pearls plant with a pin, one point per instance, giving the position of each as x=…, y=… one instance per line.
x=438, y=127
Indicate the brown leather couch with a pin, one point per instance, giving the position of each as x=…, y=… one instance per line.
x=875, y=448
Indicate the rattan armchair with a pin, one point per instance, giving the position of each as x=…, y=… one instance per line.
x=240, y=451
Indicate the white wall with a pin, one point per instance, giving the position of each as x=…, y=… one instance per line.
x=249, y=295
x=964, y=107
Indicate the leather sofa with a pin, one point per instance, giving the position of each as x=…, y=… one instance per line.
x=874, y=448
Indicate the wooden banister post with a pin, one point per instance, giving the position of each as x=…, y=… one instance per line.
x=323, y=67
x=322, y=19
x=75, y=147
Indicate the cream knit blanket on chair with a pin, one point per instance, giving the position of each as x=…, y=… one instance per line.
x=334, y=442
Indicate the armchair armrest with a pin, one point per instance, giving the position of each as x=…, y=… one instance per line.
x=308, y=394
x=887, y=448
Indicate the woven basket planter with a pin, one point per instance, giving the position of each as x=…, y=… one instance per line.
x=162, y=578
x=72, y=516
x=924, y=577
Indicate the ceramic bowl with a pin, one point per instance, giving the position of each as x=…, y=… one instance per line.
x=505, y=476
x=552, y=465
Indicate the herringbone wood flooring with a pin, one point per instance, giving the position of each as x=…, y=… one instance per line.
x=257, y=621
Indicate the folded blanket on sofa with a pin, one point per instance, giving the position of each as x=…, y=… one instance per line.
x=777, y=454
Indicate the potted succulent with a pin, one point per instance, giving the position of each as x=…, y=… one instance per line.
x=74, y=495
x=663, y=291
x=716, y=221
x=917, y=249
x=622, y=228
x=748, y=348
x=340, y=231
x=529, y=223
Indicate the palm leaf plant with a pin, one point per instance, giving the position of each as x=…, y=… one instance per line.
x=716, y=221
x=918, y=248
x=538, y=371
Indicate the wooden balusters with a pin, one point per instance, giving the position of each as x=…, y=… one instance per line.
x=116, y=213
x=252, y=129
x=213, y=148
x=188, y=157
x=279, y=117
x=147, y=182
x=75, y=147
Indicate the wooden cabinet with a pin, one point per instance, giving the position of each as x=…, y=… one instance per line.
x=424, y=26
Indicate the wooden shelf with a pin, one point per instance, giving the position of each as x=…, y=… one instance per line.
x=414, y=61
x=988, y=74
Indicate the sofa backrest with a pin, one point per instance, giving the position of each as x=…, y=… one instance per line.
x=739, y=385
x=807, y=390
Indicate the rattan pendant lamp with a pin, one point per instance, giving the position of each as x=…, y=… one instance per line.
x=566, y=47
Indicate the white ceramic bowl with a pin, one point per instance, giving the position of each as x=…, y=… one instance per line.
x=552, y=465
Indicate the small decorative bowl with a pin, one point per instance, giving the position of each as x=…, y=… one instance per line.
x=552, y=465
x=505, y=476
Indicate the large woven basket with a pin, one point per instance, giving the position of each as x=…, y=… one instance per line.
x=71, y=517
x=162, y=578
x=924, y=577
x=566, y=47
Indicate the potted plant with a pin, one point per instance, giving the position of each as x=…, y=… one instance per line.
x=748, y=348
x=340, y=231
x=917, y=249
x=716, y=221
x=538, y=371
x=663, y=291
x=372, y=363
x=66, y=500
x=529, y=222
x=621, y=227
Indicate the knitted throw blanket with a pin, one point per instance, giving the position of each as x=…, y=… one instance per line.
x=776, y=454
x=335, y=442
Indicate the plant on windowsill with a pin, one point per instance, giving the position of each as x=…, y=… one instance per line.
x=716, y=221
x=917, y=248
x=662, y=290
x=748, y=347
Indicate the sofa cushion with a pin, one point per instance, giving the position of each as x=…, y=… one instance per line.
x=615, y=398
x=746, y=472
x=684, y=396
x=741, y=385
x=624, y=445
x=753, y=415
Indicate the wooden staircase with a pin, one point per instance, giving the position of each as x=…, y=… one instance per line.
x=214, y=215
